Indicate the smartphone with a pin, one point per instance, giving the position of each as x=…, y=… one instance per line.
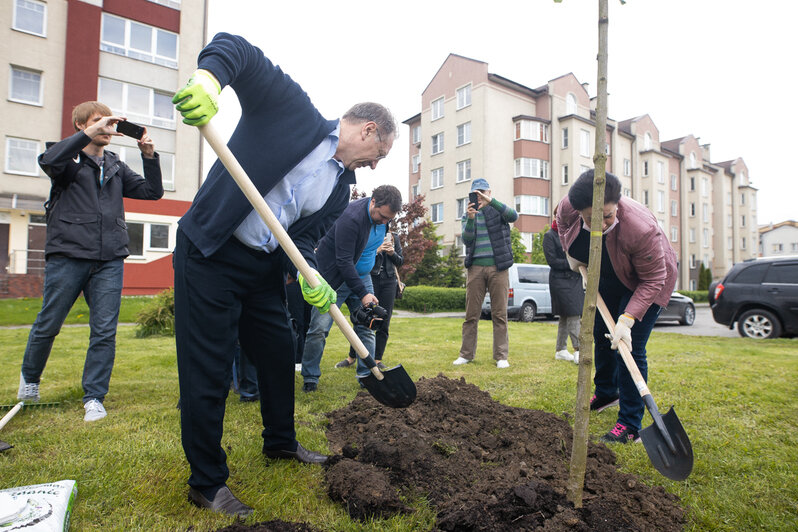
x=130, y=129
x=473, y=198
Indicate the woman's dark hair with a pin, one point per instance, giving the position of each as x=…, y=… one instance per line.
x=581, y=193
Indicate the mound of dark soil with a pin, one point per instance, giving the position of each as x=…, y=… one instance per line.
x=268, y=526
x=482, y=466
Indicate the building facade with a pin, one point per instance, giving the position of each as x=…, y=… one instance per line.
x=778, y=240
x=130, y=54
x=532, y=143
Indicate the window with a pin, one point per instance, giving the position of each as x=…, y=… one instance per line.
x=526, y=167
x=674, y=182
x=705, y=212
x=742, y=199
x=692, y=210
x=647, y=141
x=794, y=247
x=436, y=180
x=564, y=137
x=462, y=207
x=21, y=157
x=661, y=223
x=660, y=201
x=704, y=186
x=645, y=168
x=437, y=143
x=742, y=220
x=742, y=243
x=532, y=275
x=570, y=104
x=705, y=238
x=583, y=169
x=692, y=183
x=137, y=103
x=437, y=213
x=627, y=192
x=729, y=243
x=526, y=240
x=660, y=172
x=464, y=133
x=30, y=16
x=584, y=143
x=131, y=156
x=532, y=130
x=458, y=241
x=692, y=262
x=416, y=134
x=674, y=208
x=627, y=167
x=25, y=86
x=692, y=235
x=437, y=108
x=645, y=198
x=782, y=274
x=692, y=283
x=535, y=205
x=728, y=198
x=729, y=220
x=415, y=161
x=174, y=4
x=464, y=170
x=414, y=191
x=147, y=236
x=674, y=234
x=464, y=96
x=138, y=41
x=565, y=174
x=693, y=160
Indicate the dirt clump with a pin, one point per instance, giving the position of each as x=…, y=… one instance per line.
x=482, y=466
x=269, y=526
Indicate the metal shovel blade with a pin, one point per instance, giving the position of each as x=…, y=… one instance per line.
x=396, y=389
x=5, y=446
x=675, y=465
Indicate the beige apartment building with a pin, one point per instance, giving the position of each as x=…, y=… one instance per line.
x=532, y=143
x=131, y=55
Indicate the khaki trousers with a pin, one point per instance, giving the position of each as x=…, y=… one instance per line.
x=479, y=279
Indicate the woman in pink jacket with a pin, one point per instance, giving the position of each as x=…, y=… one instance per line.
x=638, y=274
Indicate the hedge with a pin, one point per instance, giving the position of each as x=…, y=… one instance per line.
x=432, y=299
x=699, y=296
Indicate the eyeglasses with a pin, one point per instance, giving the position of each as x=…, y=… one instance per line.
x=380, y=154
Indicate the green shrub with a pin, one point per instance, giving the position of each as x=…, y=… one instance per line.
x=699, y=296
x=158, y=316
x=432, y=299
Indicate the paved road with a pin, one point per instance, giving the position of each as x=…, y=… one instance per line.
x=704, y=324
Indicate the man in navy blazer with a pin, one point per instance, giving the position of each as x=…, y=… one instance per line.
x=230, y=270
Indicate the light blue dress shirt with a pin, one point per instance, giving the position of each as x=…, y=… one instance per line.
x=302, y=192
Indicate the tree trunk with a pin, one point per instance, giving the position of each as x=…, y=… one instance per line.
x=576, y=479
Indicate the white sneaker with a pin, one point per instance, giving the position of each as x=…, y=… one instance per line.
x=576, y=357
x=94, y=410
x=501, y=364
x=28, y=391
x=298, y=367
x=564, y=355
x=460, y=361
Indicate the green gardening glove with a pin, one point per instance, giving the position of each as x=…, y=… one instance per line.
x=197, y=101
x=320, y=297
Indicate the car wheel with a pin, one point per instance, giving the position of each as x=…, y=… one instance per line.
x=688, y=315
x=528, y=312
x=758, y=324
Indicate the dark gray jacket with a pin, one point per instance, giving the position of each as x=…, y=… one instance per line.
x=84, y=220
x=500, y=241
x=565, y=285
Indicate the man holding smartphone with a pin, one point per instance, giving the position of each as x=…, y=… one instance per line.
x=489, y=254
x=86, y=245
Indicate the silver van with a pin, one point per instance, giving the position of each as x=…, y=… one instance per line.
x=529, y=293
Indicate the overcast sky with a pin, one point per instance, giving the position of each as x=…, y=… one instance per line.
x=717, y=69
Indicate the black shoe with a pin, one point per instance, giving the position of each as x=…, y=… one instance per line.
x=345, y=363
x=621, y=434
x=300, y=455
x=597, y=404
x=249, y=398
x=224, y=502
x=310, y=387
x=381, y=366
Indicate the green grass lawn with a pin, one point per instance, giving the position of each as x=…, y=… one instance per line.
x=23, y=311
x=735, y=397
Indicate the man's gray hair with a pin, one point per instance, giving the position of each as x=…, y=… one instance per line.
x=372, y=112
x=387, y=195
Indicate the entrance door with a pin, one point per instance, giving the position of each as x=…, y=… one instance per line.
x=37, y=236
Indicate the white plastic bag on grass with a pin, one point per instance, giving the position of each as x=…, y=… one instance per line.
x=37, y=508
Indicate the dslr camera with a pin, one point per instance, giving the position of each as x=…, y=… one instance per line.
x=371, y=316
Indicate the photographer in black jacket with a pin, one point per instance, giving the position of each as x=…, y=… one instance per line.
x=86, y=246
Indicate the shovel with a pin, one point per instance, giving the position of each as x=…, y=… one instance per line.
x=393, y=387
x=6, y=418
x=666, y=442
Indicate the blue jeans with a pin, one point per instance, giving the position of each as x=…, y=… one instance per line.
x=320, y=327
x=64, y=279
x=612, y=378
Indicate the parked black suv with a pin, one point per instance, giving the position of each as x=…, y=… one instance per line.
x=761, y=295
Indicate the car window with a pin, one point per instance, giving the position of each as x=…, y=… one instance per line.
x=533, y=275
x=782, y=274
x=751, y=275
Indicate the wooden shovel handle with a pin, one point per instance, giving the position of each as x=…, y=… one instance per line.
x=7, y=417
x=626, y=355
x=256, y=199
